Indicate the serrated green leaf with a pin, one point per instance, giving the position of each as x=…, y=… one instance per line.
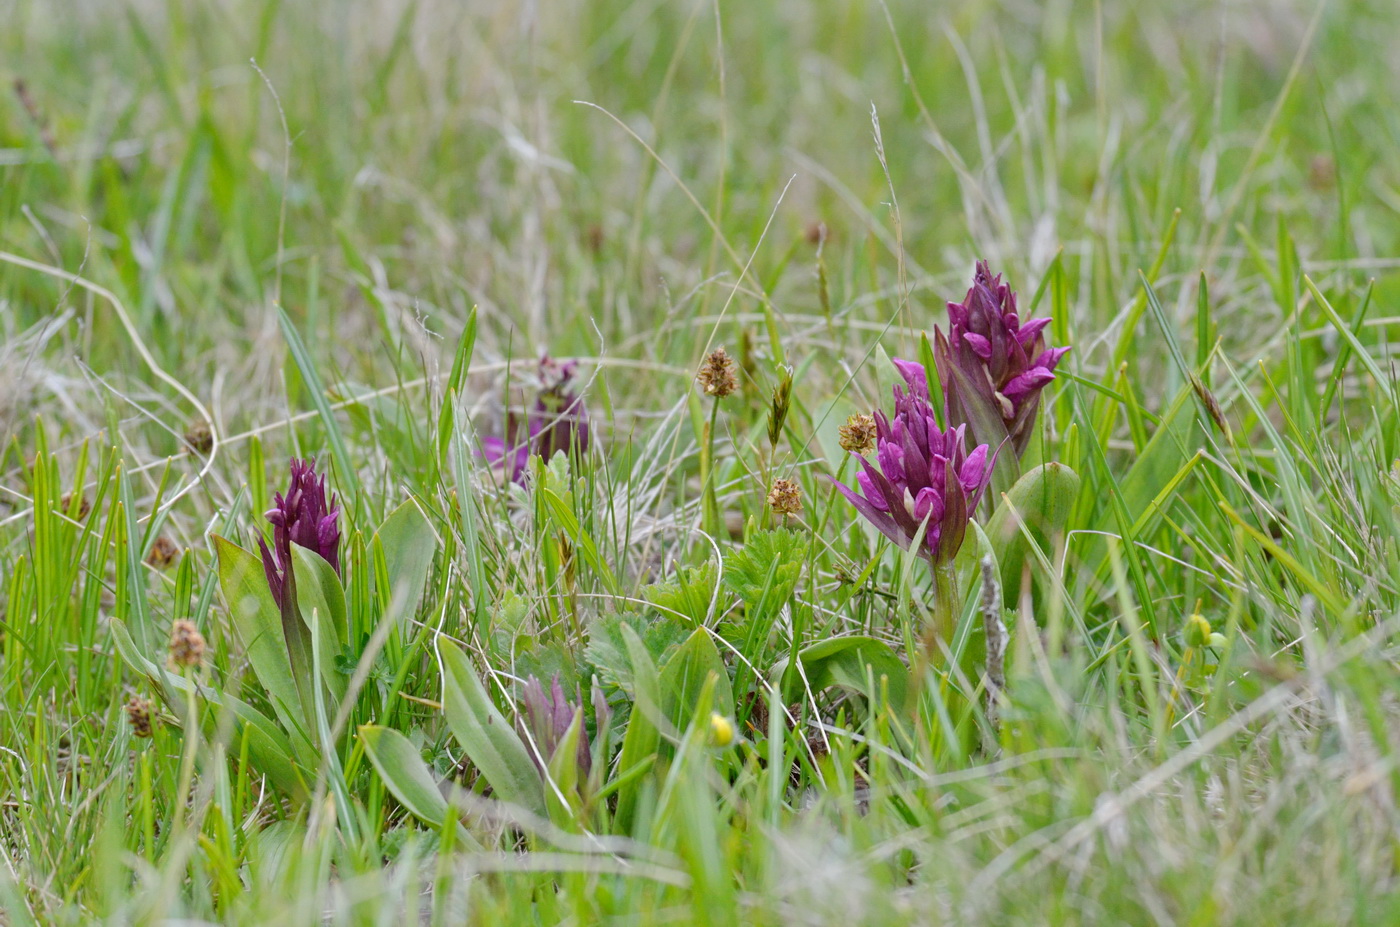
x=607, y=645
x=849, y=663
x=688, y=593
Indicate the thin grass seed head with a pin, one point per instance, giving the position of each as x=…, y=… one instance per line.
x=304, y=517
x=778, y=408
x=991, y=365
x=717, y=375
x=923, y=477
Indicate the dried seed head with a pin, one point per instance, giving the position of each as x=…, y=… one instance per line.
x=186, y=644
x=138, y=714
x=84, y=506
x=785, y=497
x=716, y=376
x=858, y=434
x=162, y=553
x=200, y=437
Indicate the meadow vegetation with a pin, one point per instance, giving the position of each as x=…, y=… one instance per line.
x=384, y=536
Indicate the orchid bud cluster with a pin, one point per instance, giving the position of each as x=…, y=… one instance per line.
x=557, y=421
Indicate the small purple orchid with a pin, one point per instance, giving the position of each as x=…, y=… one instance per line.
x=991, y=365
x=925, y=479
x=545, y=719
x=558, y=421
x=302, y=517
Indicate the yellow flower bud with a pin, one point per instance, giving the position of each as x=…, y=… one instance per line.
x=721, y=730
x=1197, y=631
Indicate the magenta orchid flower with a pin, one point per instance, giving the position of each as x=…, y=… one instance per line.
x=558, y=421
x=992, y=366
x=303, y=517
x=923, y=480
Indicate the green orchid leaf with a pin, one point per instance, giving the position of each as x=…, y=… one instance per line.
x=487, y=737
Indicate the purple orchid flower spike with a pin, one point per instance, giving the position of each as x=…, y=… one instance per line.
x=991, y=365
x=303, y=517
x=545, y=719
x=923, y=479
x=557, y=421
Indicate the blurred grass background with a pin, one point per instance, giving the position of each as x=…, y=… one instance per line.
x=632, y=183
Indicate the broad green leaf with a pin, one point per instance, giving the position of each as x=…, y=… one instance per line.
x=1042, y=499
x=409, y=546
x=408, y=778
x=643, y=738
x=843, y=662
x=488, y=739
x=319, y=592
x=561, y=792
x=259, y=623
x=684, y=676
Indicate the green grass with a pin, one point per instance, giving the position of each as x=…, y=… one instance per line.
x=1203, y=196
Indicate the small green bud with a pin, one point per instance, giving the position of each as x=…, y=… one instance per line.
x=1197, y=631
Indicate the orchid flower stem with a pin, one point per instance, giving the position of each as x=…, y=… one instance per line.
x=939, y=624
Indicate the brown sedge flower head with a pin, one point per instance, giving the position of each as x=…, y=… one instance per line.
x=717, y=377
x=66, y=505
x=857, y=436
x=163, y=553
x=199, y=437
x=138, y=715
x=186, y=644
x=785, y=498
